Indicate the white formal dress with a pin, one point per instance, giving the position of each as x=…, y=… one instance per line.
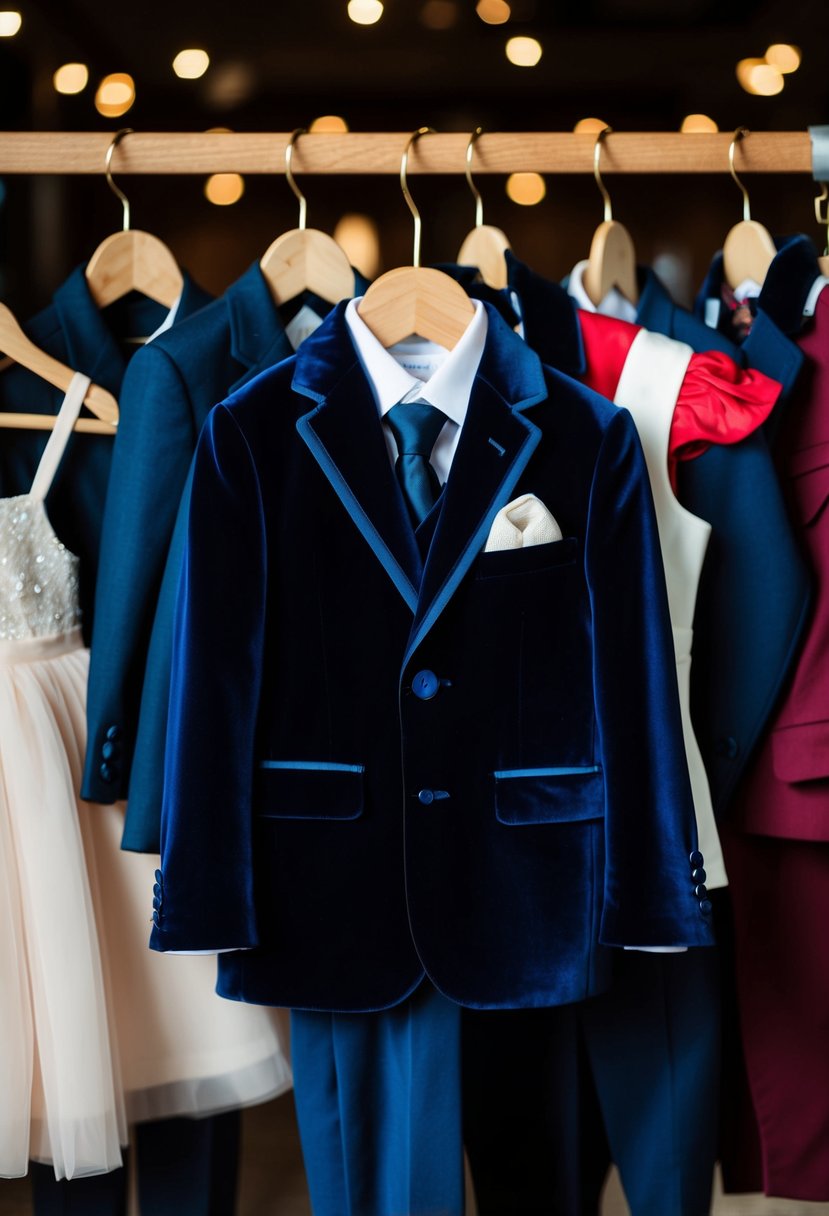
x=95, y=1030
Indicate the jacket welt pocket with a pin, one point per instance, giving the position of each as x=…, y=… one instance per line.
x=549, y=795
x=308, y=789
x=810, y=480
x=526, y=560
x=801, y=752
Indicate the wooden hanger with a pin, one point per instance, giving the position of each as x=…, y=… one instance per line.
x=612, y=260
x=748, y=250
x=131, y=260
x=20, y=349
x=305, y=259
x=416, y=299
x=484, y=246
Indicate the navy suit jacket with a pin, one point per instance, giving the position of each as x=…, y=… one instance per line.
x=167, y=394
x=754, y=596
x=73, y=329
x=342, y=827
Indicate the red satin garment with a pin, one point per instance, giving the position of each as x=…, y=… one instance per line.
x=719, y=402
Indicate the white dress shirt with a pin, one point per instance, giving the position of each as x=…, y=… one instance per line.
x=418, y=370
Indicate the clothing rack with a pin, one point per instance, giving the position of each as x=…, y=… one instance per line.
x=376, y=152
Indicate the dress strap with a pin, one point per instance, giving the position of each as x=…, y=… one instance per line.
x=56, y=446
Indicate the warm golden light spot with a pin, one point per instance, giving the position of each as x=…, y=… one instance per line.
x=115, y=94
x=785, y=57
x=71, y=78
x=191, y=64
x=224, y=189
x=358, y=235
x=493, y=12
x=527, y=189
x=330, y=123
x=698, y=123
x=524, y=52
x=365, y=12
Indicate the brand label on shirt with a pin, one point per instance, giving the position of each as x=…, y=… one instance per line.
x=419, y=367
x=302, y=326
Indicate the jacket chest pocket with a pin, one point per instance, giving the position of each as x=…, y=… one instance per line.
x=534, y=559
x=308, y=789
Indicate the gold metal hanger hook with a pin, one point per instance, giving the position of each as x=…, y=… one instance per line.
x=289, y=173
x=476, y=194
x=739, y=134
x=597, y=156
x=119, y=194
x=822, y=213
x=404, y=186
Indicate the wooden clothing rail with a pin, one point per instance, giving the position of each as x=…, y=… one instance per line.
x=379, y=152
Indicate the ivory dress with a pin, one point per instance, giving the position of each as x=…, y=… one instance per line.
x=95, y=1030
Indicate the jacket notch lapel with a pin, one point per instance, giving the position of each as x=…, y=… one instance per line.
x=495, y=445
x=344, y=434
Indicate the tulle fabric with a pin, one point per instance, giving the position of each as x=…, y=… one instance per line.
x=95, y=1030
x=63, y=1096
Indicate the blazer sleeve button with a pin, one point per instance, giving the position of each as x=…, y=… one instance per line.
x=426, y=797
x=106, y=773
x=110, y=750
x=113, y=732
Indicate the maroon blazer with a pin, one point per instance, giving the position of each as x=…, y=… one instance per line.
x=775, y=843
x=786, y=791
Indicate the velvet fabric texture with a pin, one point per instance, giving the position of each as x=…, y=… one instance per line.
x=168, y=391
x=73, y=329
x=307, y=659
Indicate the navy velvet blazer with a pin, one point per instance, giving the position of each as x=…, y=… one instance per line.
x=755, y=593
x=341, y=827
x=170, y=388
x=73, y=329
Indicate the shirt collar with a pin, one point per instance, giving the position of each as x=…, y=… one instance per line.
x=448, y=389
x=614, y=303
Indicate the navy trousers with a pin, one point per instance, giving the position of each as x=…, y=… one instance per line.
x=378, y=1105
x=186, y=1167
x=539, y=1127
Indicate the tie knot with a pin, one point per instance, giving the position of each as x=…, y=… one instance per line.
x=415, y=426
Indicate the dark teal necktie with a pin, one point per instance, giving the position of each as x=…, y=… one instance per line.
x=416, y=426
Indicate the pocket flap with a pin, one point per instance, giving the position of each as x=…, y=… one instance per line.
x=308, y=789
x=801, y=753
x=549, y=795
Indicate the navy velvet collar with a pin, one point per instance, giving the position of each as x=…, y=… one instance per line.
x=508, y=363
x=788, y=282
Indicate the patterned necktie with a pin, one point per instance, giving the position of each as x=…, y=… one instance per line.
x=416, y=426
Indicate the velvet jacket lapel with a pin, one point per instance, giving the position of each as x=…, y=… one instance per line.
x=344, y=434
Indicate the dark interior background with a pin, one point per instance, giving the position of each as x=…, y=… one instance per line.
x=637, y=64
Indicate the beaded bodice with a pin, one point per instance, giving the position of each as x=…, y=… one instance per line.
x=38, y=574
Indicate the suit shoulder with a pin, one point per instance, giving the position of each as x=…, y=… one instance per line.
x=566, y=392
x=187, y=339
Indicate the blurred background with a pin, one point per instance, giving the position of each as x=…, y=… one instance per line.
x=192, y=65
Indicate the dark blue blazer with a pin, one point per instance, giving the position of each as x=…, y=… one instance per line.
x=73, y=329
x=754, y=594
x=168, y=392
x=341, y=827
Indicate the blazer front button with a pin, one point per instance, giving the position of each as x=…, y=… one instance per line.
x=698, y=875
x=696, y=859
x=426, y=797
x=425, y=684
x=705, y=907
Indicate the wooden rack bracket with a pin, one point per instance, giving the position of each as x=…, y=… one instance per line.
x=379, y=152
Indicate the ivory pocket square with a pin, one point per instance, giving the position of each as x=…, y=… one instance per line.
x=524, y=521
